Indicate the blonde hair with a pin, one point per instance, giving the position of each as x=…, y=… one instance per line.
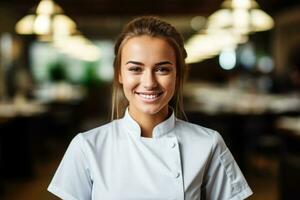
x=154, y=27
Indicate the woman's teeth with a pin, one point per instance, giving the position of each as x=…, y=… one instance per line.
x=149, y=96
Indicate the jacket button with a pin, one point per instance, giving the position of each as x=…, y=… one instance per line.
x=173, y=145
x=176, y=175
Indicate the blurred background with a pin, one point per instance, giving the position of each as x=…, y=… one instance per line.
x=56, y=75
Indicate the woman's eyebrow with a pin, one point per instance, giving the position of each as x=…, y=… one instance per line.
x=156, y=64
x=164, y=63
x=134, y=62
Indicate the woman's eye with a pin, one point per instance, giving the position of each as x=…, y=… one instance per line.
x=163, y=70
x=135, y=69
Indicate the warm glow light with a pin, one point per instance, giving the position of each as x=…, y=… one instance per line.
x=42, y=24
x=241, y=21
x=220, y=18
x=243, y=4
x=226, y=28
x=63, y=25
x=260, y=21
x=78, y=47
x=48, y=22
x=203, y=46
x=48, y=7
x=240, y=16
x=25, y=25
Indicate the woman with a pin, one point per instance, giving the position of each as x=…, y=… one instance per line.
x=146, y=152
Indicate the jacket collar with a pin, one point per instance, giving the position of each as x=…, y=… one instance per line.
x=159, y=130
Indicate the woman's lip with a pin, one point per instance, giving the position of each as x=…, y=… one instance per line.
x=149, y=97
x=149, y=93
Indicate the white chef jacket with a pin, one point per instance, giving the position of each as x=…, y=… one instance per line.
x=181, y=161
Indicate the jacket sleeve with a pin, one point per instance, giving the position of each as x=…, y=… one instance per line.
x=224, y=179
x=72, y=179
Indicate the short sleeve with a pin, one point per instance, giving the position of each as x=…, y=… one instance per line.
x=72, y=179
x=224, y=179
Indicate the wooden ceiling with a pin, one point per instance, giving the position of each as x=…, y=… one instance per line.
x=96, y=17
x=77, y=8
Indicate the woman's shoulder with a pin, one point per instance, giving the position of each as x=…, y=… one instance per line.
x=198, y=132
x=100, y=133
x=195, y=128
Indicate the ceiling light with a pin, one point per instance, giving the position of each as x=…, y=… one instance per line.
x=48, y=21
x=240, y=16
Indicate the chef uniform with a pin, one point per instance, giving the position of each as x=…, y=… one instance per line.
x=182, y=161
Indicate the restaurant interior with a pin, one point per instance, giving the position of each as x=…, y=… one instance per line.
x=56, y=73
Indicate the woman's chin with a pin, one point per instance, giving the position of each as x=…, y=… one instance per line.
x=151, y=110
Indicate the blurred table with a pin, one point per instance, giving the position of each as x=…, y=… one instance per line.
x=289, y=125
x=16, y=122
x=289, y=129
x=20, y=107
x=245, y=119
x=214, y=100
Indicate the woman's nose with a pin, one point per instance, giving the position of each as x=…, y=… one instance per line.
x=149, y=80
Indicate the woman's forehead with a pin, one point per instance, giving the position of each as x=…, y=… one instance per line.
x=147, y=48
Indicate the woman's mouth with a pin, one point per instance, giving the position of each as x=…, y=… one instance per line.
x=149, y=96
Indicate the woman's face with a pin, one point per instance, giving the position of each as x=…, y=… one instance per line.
x=148, y=75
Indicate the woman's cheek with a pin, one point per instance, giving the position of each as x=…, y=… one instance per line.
x=130, y=82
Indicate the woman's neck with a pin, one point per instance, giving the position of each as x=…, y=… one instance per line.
x=147, y=122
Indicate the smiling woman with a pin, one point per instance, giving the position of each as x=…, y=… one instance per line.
x=148, y=74
x=153, y=41
x=146, y=152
